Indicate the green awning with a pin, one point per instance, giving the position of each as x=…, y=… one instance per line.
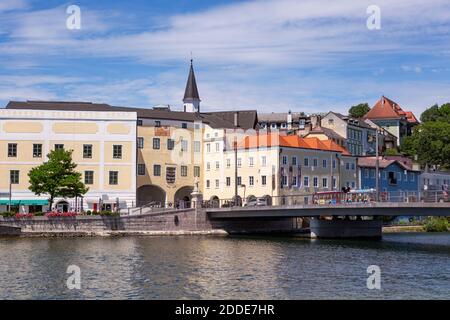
x=14, y=202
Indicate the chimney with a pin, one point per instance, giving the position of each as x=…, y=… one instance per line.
x=315, y=121
x=236, y=119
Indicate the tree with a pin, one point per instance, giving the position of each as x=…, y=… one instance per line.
x=57, y=177
x=359, y=110
x=436, y=113
x=431, y=143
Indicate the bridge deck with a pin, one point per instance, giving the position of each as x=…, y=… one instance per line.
x=363, y=209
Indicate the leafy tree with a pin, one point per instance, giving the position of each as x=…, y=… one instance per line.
x=359, y=110
x=431, y=143
x=391, y=152
x=57, y=177
x=436, y=113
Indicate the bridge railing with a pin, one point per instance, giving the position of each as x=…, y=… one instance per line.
x=332, y=198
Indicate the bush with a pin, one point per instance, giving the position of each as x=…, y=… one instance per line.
x=89, y=212
x=7, y=214
x=39, y=214
x=436, y=224
x=109, y=213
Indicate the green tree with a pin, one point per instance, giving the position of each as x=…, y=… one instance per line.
x=436, y=113
x=57, y=177
x=359, y=110
x=430, y=141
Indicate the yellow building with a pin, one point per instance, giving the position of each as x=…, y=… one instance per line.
x=277, y=167
x=103, y=145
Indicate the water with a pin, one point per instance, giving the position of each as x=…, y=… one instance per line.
x=412, y=266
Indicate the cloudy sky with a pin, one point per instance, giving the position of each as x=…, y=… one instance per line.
x=270, y=55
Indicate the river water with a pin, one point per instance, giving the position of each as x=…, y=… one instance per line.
x=412, y=265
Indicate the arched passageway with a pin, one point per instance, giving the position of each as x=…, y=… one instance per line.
x=151, y=195
x=183, y=197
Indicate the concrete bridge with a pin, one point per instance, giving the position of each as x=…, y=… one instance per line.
x=348, y=220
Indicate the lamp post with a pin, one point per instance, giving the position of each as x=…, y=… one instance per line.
x=10, y=193
x=377, y=168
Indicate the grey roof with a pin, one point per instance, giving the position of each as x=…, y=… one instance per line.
x=326, y=131
x=247, y=119
x=191, y=92
x=359, y=122
x=279, y=116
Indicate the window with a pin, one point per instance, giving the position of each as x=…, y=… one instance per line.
x=285, y=160
x=217, y=165
x=217, y=146
x=89, y=177
x=306, y=162
x=208, y=147
x=251, y=181
x=239, y=181
x=366, y=172
x=315, y=162
x=306, y=181
x=315, y=182
x=156, y=170
x=14, y=176
x=87, y=151
x=334, y=164
x=12, y=150
x=250, y=161
x=284, y=180
x=334, y=182
x=140, y=143
x=184, y=145
x=264, y=180
x=411, y=177
x=207, y=184
x=196, y=146
x=208, y=166
x=353, y=185
x=264, y=161
x=391, y=178
x=141, y=169
x=156, y=143
x=347, y=166
x=196, y=171
x=228, y=181
x=184, y=125
x=170, y=144
x=324, y=163
x=353, y=166
x=324, y=183
x=139, y=122
x=37, y=150
x=217, y=183
x=294, y=161
x=157, y=123
x=59, y=146
x=331, y=122
x=117, y=151
x=228, y=163
x=239, y=162
x=196, y=126
x=113, y=177
x=294, y=181
x=399, y=176
x=184, y=171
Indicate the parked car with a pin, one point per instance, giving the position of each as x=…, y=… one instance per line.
x=258, y=202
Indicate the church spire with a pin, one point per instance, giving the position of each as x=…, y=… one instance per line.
x=191, y=97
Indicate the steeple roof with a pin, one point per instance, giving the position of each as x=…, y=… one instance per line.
x=191, y=92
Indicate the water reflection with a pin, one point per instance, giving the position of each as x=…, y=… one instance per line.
x=412, y=266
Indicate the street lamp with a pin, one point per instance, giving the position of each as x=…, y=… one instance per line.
x=377, y=168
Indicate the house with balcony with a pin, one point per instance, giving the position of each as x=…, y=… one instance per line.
x=396, y=179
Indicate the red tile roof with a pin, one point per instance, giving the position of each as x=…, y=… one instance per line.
x=291, y=141
x=387, y=109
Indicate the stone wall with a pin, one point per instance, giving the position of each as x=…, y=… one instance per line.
x=180, y=220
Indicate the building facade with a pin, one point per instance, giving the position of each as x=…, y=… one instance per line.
x=395, y=179
x=103, y=145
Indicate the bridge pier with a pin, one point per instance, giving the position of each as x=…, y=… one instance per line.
x=335, y=229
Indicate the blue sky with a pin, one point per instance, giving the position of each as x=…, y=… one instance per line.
x=272, y=55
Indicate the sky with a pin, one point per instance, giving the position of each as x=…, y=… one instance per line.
x=268, y=55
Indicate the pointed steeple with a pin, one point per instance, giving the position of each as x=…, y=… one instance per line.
x=191, y=97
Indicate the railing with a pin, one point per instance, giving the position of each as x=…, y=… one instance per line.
x=153, y=207
x=338, y=198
